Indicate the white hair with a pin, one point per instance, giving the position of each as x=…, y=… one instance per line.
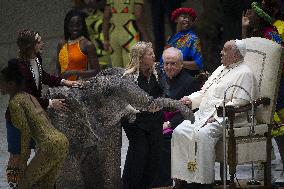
x=172, y=51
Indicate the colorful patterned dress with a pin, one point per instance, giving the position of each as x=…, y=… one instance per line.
x=279, y=24
x=189, y=44
x=95, y=27
x=52, y=146
x=272, y=34
x=125, y=33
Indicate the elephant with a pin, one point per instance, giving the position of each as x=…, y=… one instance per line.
x=92, y=125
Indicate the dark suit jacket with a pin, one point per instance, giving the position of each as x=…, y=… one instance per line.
x=30, y=85
x=181, y=85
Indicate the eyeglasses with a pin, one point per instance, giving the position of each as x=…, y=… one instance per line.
x=170, y=64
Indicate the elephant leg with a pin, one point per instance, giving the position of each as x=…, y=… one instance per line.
x=70, y=176
x=111, y=152
x=91, y=168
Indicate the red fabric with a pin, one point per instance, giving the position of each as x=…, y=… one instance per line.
x=167, y=131
x=180, y=11
x=30, y=85
x=113, y=10
x=125, y=10
x=266, y=31
x=167, y=117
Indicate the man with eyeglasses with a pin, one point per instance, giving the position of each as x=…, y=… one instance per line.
x=180, y=83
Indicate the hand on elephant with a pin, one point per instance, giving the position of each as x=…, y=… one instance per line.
x=154, y=108
x=185, y=100
x=71, y=83
x=59, y=104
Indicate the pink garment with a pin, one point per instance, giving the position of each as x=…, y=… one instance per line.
x=167, y=131
x=167, y=117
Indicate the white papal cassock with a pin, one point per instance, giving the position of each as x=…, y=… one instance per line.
x=197, y=141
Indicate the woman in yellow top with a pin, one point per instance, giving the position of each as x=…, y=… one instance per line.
x=30, y=118
x=126, y=16
x=76, y=53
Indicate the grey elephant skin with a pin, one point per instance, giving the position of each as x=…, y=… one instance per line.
x=92, y=125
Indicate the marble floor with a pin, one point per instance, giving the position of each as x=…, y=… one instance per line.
x=243, y=171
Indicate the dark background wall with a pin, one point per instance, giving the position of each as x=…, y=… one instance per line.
x=218, y=21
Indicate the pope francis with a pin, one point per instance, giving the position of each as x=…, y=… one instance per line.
x=193, y=144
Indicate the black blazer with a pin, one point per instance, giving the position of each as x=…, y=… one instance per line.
x=181, y=85
x=29, y=82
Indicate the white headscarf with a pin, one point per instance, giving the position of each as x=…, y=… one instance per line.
x=241, y=45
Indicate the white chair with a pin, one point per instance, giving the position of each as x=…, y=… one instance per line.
x=263, y=57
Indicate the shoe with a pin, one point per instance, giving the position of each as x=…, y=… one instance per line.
x=206, y=186
x=179, y=187
x=192, y=186
x=279, y=182
x=220, y=182
x=180, y=184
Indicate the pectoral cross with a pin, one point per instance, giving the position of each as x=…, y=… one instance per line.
x=192, y=166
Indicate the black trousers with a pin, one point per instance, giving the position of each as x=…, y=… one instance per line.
x=163, y=175
x=142, y=157
x=91, y=168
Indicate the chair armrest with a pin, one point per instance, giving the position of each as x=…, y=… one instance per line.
x=238, y=109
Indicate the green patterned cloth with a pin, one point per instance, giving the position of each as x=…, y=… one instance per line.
x=258, y=10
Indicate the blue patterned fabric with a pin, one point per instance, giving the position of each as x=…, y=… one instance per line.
x=272, y=34
x=275, y=37
x=14, y=139
x=280, y=99
x=189, y=44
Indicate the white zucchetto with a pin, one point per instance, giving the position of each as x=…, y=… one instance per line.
x=241, y=45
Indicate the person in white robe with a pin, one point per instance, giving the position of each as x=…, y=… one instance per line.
x=193, y=144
